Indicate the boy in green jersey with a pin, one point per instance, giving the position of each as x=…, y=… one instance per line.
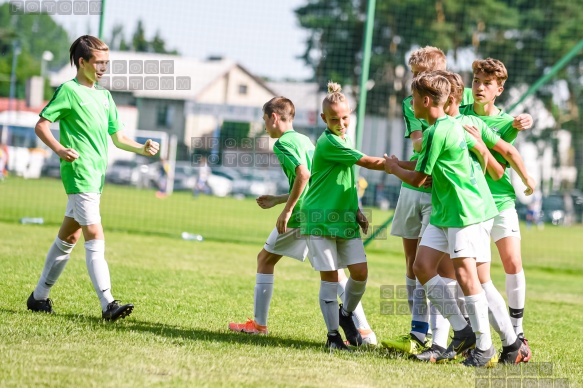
x=294, y=152
x=86, y=114
x=488, y=83
x=414, y=205
x=456, y=223
x=513, y=350
x=331, y=218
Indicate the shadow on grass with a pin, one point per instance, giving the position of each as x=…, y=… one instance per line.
x=179, y=333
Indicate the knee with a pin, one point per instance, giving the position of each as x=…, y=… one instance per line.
x=266, y=261
x=418, y=268
x=512, y=264
x=359, y=272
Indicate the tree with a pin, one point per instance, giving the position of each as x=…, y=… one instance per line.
x=334, y=47
x=35, y=33
x=139, y=42
x=529, y=36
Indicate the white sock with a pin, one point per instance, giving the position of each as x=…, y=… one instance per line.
x=353, y=294
x=329, y=305
x=499, y=318
x=98, y=271
x=516, y=294
x=461, y=302
x=439, y=325
x=420, y=313
x=262, y=297
x=444, y=302
x=410, y=284
x=358, y=316
x=55, y=263
x=477, y=306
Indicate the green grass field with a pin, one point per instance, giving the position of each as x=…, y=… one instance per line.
x=186, y=292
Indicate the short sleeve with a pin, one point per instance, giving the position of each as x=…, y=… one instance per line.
x=412, y=123
x=470, y=140
x=489, y=137
x=430, y=153
x=288, y=156
x=339, y=153
x=59, y=107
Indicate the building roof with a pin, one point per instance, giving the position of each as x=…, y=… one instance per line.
x=305, y=95
x=202, y=74
x=20, y=105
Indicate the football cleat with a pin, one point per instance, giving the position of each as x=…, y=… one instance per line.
x=249, y=327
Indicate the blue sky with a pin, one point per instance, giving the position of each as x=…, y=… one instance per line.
x=262, y=35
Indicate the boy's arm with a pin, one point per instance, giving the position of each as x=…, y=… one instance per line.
x=479, y=148
x=302, y=178
x=123, y=142
x=523, y=121
x=269, y=201
x=407, y=164
x=43, y=131
x=510, y=153
x=417, y=139
x=371, y=162
x=413, y=178
x=481, y=151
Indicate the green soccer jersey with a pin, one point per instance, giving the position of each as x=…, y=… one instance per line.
x=490, y=138
x=292, y=150
x=413, y=124
x=86, y=117
x=456, y=198
x=502, y=189
x=330, y=205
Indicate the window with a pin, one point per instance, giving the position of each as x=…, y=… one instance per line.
x=164, y=117
x=242, y=89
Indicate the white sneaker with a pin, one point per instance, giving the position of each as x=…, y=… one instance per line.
x=368, y=337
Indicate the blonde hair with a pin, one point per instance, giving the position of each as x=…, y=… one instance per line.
x=334, y=95
x=491, y=67
x=433, y=85
x=456, y=82
x=428, y=57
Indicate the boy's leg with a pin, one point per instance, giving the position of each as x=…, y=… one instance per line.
x=86, y=212
x=55, y=262
x=262, y=294
x=410, y=249
x=358, y=315
x=351, y=255
x=322, y=254
x=290, y=244
x=509, y=249
x=263, y=290
x=96, y=264
x=506, y=235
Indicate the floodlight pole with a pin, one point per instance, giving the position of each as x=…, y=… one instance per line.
x=366, y=51
x=551, y=73
x=101, y=19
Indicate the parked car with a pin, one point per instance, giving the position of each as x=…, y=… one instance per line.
x=136, y=172
x=554, y=208
x=123, y=172
x=186, y=177
x=52, y=166
x=254, y=184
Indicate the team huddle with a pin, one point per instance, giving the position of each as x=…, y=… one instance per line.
x=456, y=196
